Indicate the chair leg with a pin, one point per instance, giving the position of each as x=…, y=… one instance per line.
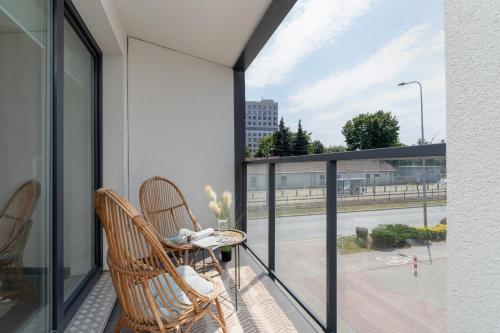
x=21, y=278
x=180, y=258
x=19, y=268
x=120, y=325
x=188, y=328
x=215, y=261
x=221, y=315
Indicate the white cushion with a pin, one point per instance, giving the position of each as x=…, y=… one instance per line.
x=189, y=275
x=196, y=282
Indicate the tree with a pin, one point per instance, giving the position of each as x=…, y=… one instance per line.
x=335, y=149
x=372, y=130
x=266, y=147
x=282, y=140
x=316, y=147
x=301, y=141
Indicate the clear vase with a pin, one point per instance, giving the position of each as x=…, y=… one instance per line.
x=222, y=224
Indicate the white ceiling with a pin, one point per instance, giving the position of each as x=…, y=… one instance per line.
x=215, y=30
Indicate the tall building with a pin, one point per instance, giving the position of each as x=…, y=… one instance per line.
x=261, y=120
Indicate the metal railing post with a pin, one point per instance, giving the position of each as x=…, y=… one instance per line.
x=331, y=247
x=243, y=204
x=272, y=219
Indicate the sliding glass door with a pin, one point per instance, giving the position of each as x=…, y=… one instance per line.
x=78, y=171
x=78, y=159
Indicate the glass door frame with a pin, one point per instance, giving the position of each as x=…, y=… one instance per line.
x=63, y=311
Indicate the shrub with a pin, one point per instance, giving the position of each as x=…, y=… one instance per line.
x=436, y=233
x=360, y=242
x=422, y=234
x=389, y=236
x=396, y=235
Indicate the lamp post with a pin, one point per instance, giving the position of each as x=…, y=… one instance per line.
x=422, y=142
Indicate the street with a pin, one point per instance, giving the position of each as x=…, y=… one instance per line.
x=309, y=227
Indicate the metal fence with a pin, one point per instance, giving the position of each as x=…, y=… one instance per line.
x=301, y=196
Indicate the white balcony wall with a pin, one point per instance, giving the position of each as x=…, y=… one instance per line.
x=180, y=123
x=472, y=38
x=114, y=120
x=105, y=25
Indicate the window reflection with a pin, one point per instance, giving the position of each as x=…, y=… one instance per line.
x=24, y=166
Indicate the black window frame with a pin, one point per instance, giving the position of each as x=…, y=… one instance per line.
x=64, y=310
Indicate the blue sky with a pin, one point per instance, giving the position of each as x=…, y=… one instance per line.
x=333, y=59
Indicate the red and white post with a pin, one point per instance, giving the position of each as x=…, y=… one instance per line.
x=415, y=265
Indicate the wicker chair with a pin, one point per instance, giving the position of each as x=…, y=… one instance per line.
x=15, y=226
x=165, y=207
x=155, y=295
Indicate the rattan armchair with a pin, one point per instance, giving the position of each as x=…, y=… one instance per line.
x=15, y=226
x=165, y=207
x=155, y=295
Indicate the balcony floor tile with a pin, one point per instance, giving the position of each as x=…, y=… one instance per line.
x=262, y=306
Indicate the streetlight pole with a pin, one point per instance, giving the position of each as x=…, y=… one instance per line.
x=422, y=142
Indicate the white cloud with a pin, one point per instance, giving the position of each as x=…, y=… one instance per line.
x=382, y=66
x=312, y=24
x=388, y=99
x=326, y=124
x=371, y=84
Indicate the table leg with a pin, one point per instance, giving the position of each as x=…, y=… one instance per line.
x=203, y=260
x=236, y=287
x=239, y=265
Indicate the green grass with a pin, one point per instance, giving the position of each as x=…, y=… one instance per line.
x=347, y=245
x=390, y=205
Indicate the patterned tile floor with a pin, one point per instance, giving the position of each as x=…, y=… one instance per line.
x=96, y=309
x=257, y=310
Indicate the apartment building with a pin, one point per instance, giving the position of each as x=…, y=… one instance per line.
x=261, y=120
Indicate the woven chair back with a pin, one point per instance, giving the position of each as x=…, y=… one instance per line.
x=15, y=218
x=165, y=207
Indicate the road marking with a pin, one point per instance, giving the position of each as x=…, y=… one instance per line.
x=394, y=260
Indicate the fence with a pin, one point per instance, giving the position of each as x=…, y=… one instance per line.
x=257, y=199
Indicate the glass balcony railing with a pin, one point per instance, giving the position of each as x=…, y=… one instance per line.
x=257, y=211
x=358, y=239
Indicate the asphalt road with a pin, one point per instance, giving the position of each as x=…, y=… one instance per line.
x=310, y=227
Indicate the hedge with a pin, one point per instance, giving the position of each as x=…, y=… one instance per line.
x=395, y=235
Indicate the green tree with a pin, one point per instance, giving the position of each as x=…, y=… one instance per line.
x=301, y=141
x=372, y=130
x=282, y=140
x=266, y=147
x=316, y=147
x=335, y=149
